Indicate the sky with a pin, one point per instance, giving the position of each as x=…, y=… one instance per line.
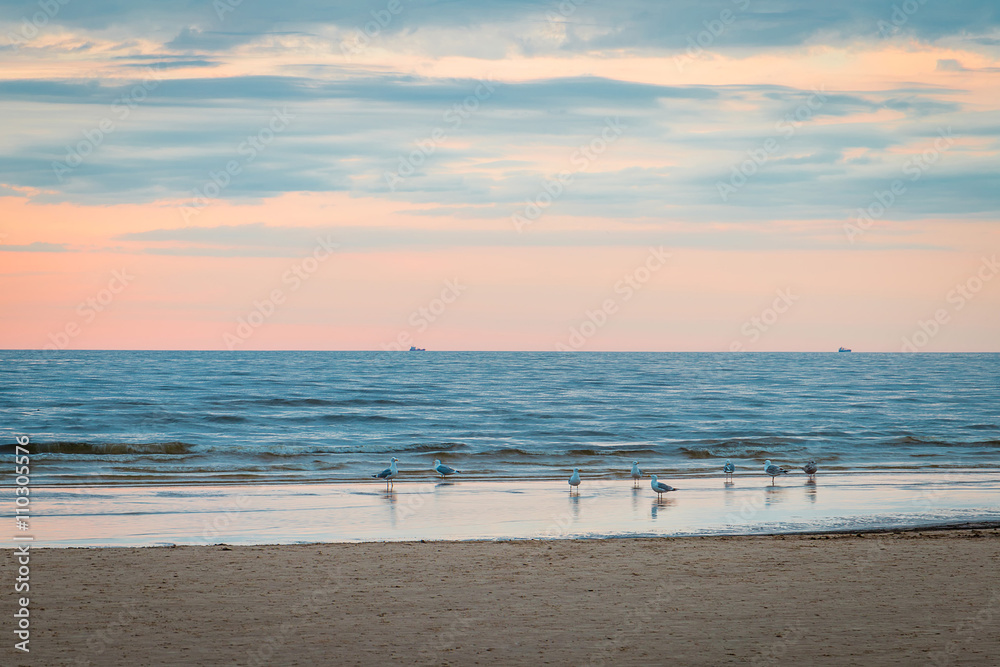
x=731, y=175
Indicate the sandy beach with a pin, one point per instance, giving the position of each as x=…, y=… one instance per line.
x=927, y=597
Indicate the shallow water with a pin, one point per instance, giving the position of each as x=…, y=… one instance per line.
x=295, y=513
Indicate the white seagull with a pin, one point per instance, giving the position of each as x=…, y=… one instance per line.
x=659, y=487
x=773, y=470
x=810, y=469
x=729, y=469
x=636, y=473
x=443, y=470
x=574, y=480
x=388, y=473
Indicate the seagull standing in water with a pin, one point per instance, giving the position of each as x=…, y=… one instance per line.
x=729, y=469
x=810, y=469
x=443, y=470
x=388, y=473
x=773, y=470
x=659, y=487
x=636, y=473
x=574, y=481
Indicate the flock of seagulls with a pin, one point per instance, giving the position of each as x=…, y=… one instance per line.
x=660, y=488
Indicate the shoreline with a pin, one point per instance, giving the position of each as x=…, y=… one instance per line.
x=455, y=510
x=409, y=477
x=895, y=598
x=960, y=526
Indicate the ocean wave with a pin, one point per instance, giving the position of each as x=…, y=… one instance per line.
x=913, y=440
x=615, y=451
x=511, y=451
x=278, y=402
x=225, y=419
x=742, y=450
x=927, y=442
x=331, y=419
x=576, y=433
x=428, y=447
x=114, y=448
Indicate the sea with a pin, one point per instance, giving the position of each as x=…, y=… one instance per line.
x=175, y=418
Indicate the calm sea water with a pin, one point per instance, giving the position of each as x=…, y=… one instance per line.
x=198, y=417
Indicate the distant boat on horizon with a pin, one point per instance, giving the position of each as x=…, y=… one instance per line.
x=414, y=348
x=844, y=349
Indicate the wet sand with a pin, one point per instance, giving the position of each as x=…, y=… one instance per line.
x=908, y=598
x=151, y=515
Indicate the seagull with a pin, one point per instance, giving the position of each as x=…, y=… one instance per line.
x=636, y=473
x=659, y=487
x=443, y=470
x=773, y=470
x=810, y=468
x=388, y=473
x=574, y=480
x=729, y=469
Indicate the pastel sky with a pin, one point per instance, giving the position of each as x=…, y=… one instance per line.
x=514, y=175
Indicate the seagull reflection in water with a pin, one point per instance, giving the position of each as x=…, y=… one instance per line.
x=390, y=497
x=661, y=503
x=728, y=495
x=810, y=487
x=774, y=495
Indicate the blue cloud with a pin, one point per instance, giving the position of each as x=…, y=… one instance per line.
x=37, y=246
